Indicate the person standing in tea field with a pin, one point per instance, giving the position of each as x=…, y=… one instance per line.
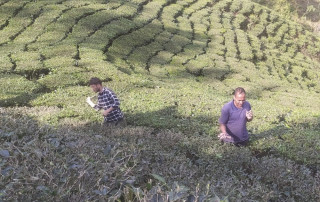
x=234, y=117
x=107, y=102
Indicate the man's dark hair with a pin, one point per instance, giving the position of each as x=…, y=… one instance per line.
x=239, y=90
x=95, y=81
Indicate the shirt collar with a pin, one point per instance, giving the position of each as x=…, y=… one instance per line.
x=100, y=93
x=234, y=106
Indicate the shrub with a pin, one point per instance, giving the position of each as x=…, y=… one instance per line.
x=6, y=64
x=230, y=44
x=17, y=90
x=243, y=45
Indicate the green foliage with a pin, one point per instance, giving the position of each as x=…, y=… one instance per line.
x=230, y=44
x=284, y=8
x=247, y=8
x=73, y=159
x=243, y=45
x=16, y=90
x=6, y=64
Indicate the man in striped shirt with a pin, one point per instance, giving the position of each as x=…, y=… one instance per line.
x=107, y=102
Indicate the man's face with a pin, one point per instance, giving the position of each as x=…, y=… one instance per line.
x=239, y=99
x=96, y=88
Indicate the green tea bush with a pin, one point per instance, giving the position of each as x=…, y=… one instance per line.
x=200, y=32
x=223, y=5
x=135, y=39
x=186, y=30
x=264, y=17
x=20, y=21
x=196, y=66
x=89, y=25
x=243, y=45
x=6, y=64
x=27, y=61
x=17, y=90
x=163, y=38
x=192, y=50
x=226, y=20
x=198, y=5
x=292, y=50
x=280, y=34
x=149, y=11
x=10, y=7
x=258, y=9
x=127, y=10
x=162, y=58
x=247, y=8
x=272, y=27
x=109, y=32
x=59, y=62
x=256, y=47
x=293, y=30
x=169, y=17
x=273, y=17
x=240, y=22
x=215, y=16
x=140, y=57
x=230, y=44
x=216, y=47
x=32, y=32
x=198, y=16
x=236, y=6
x=176, y=44
x=257, y=30
x=61, y=79
x=60, y=29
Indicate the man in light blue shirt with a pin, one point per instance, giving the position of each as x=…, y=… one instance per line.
x=234, y=117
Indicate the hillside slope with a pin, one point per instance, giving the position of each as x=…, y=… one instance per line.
x=51, y=44
x=52, y=48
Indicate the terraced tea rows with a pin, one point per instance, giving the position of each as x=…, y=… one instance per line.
x=53, y=44
x=50, y=40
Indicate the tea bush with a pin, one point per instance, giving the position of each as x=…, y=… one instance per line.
x=137, y=164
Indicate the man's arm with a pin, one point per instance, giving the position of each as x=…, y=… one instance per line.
x=94, y=106
x=107, y=111
x=115, y=101
x=223, y=128
x=90, y=102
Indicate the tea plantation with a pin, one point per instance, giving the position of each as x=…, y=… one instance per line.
x=173, y=64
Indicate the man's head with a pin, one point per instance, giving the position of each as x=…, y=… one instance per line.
x=239, y=97
x=95, y=84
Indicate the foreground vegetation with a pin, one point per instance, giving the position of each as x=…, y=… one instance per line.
x=173, y=64
x=79, y=162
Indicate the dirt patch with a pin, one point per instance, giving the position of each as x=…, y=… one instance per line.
x=310, y=9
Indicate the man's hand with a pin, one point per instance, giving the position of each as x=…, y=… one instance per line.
x=225, y=137
x=106, y=112
x=249, y=115
x=90, y=102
